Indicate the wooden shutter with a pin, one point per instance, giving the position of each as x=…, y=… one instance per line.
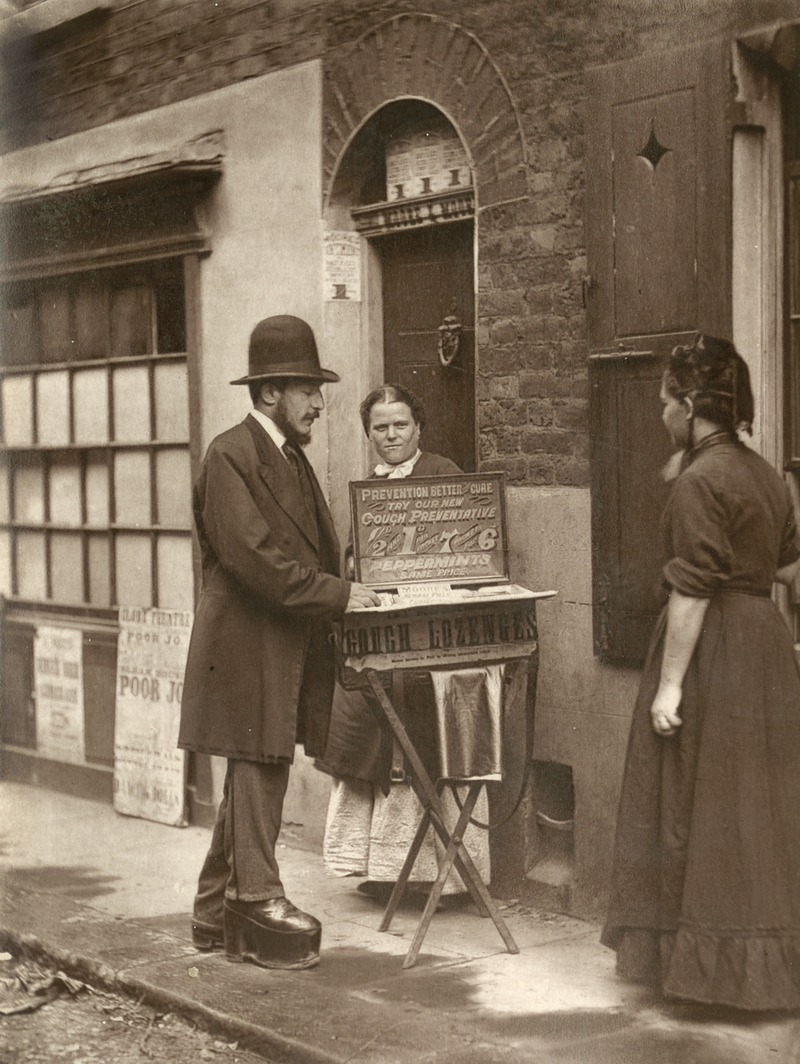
x=659, y=262
x=628, y=450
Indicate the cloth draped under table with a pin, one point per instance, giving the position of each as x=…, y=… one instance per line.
x=469, y=707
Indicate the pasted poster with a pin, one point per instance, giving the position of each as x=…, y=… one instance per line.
x=149, y=769
x=399, y=168
x=58, y=686
x=342, y=266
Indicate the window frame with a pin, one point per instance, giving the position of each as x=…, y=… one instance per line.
x=107, y=451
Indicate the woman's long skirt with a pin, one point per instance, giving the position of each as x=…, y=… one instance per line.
x=706, y=887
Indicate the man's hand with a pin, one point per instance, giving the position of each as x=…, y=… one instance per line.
x=664, y=710
x=361, y=598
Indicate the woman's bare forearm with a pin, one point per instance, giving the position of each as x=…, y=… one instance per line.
x=685, y=616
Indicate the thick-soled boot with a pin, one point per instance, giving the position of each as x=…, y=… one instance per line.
x=273, y=934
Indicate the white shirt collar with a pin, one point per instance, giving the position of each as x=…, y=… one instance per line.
x=271, y=429
x=396, y=472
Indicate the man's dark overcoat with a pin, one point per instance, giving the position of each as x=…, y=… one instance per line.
x=260, y=668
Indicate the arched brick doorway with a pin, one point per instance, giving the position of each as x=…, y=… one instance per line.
x=423, y=257
x=424, y=57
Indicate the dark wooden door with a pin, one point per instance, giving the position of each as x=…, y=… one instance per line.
x=428, y=274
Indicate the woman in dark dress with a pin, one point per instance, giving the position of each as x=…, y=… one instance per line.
x=372, y=817
x=706, y=891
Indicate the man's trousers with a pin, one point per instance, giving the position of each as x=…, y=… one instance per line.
x=241, y=863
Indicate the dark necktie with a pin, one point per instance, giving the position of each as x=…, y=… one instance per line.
x=297, y=463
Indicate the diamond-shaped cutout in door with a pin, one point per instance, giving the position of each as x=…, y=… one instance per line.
x=653, y=151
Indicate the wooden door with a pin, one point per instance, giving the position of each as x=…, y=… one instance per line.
x=428, y=274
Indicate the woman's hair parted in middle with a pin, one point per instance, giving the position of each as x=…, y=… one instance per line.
x=392, y=393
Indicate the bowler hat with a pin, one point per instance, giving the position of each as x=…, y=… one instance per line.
x=284, y=346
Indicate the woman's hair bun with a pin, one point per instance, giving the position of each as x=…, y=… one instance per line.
x=712, y=373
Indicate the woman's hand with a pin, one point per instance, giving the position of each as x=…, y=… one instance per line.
x=685, y=617
x=664, y=710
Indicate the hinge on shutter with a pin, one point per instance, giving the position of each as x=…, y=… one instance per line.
x=622, y=352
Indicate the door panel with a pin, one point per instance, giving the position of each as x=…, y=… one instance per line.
x=655, y=210
x=658, y=195
x=427, y=275
x=628, y=447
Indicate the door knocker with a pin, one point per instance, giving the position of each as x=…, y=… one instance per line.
x=449, y=339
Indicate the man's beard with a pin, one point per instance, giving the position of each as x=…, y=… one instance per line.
x=289, y=431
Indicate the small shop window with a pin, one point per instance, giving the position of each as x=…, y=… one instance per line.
x=95, y=482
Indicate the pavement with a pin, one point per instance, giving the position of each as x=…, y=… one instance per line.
x=107, y=899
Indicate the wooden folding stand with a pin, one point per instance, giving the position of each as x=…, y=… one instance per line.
x=436, y=551
x=433, y=814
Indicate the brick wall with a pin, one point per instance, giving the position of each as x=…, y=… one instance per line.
x=144, y=54
x=531, y=349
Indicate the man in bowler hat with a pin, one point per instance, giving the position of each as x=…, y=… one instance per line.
x=260, y=670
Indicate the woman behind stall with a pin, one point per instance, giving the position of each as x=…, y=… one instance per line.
x=372, y=820
x=706, y=890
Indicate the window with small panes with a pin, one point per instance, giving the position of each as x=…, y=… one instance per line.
x=95, y=483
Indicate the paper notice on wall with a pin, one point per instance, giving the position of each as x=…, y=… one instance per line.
x=149, y=769
x=342, y=273
x=58, y=685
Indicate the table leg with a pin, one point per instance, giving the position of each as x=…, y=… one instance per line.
x=445, y=868
x=433, y=808
x=413, y=851
x=429, y=800
x=408, y=865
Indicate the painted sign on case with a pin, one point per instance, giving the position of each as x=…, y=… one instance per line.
x=429, y=529
x=58, y=685
x=440, y=635
x=149, y=769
